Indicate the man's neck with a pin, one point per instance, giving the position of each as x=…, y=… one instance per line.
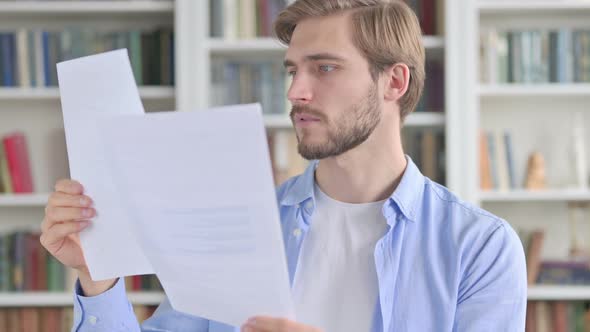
x=368, y=173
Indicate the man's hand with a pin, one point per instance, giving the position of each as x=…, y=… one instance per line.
x=67, y=213
x=270, y=324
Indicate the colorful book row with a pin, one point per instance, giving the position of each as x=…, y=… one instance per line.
x=535, y=56
x=497, y=169
x=557, y=316
x=51, y=319
x=28, y=57
x=25, y=265
x=243, y=82
x=246, y=19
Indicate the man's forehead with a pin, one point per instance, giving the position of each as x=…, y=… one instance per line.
x=332, y=28
x=321, y=35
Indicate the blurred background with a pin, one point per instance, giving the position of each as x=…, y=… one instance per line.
x=503, y=122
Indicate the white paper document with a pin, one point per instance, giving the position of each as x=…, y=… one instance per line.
x=91, y=88
x=186, y=195
x=200, y=188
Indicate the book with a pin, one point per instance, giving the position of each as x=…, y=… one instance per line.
x=8, y=50
x=501, y=162
x=533, y=255
x=5, y=180
x=531, y=317
x=510, y=160
x=493, y=158
x=17, y=160
x=485, y=175
x=559, y=316
x=564, y=273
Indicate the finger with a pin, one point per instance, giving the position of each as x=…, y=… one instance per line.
x=60, y=214
x=62, y=199
x=69, y=186
x=59, y=231
x=56, y=215
x=268, y=324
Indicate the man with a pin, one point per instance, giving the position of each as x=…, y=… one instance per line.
x=371, y=244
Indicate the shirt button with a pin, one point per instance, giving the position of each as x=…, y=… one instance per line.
x=92, y=320
x=308, y=205
x=297, y=232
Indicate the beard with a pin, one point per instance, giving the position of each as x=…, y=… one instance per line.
x=348, y=131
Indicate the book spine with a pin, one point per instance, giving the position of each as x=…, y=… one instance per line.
x=15, y=147
x=7, y=59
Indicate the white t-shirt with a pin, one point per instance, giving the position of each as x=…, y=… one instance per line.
x=335, y=286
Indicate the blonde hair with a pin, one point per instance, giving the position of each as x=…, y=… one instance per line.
x=386, y=33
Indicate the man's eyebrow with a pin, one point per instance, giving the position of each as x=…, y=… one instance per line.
x=316, y=57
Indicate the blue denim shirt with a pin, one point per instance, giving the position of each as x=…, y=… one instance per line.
x=443, y=265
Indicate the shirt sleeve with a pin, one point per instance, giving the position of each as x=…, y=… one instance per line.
x=493, y=290
x=112, y=311
x=109, y=311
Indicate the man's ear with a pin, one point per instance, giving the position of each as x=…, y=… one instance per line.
x=397, y=79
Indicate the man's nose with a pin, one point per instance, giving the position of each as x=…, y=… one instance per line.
x=300, y=91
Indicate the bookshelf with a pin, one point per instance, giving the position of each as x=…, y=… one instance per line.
x=539, y=114
x=36, y=110
x=469, y=105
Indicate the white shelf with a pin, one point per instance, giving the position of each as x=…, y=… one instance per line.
x=535, y=90
x=502, y=6
x=564, y=195
x=425, y=119
x=63, y=299
x=554, y=293
x=52, y=93
x=14, y=200
x=84, y=7
x=225, y=46
x=46, y=299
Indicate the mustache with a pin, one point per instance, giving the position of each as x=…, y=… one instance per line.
x=303, y=109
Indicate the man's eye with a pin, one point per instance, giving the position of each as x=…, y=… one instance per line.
x=291, y=73
x=327, y=68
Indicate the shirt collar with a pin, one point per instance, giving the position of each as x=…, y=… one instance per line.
x=406, y=196
x=302, y=187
